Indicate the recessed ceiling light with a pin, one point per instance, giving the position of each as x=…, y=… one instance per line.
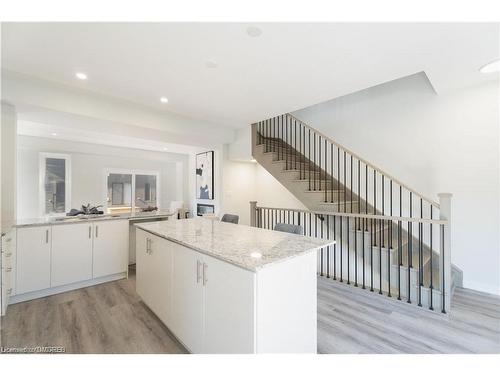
x=254, y=31
x=211, y=64
x=493, y=66
x=165, y=149
x=54, y=134
x=163, y=99
x=256, y=255
x=81, y=76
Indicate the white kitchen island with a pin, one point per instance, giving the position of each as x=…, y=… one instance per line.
x=226, y=288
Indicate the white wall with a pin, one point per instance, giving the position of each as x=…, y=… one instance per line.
x=433, y=143
x=88, y=162
x=245, y=181
x=8, y=166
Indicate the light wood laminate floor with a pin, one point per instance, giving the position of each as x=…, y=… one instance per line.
x=110, y=318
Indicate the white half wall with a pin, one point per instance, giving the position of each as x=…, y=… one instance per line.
x=88, y=162
x=433, y=143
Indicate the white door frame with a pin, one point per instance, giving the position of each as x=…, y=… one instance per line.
x=42, y=156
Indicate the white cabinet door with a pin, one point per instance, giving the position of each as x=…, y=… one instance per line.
x=154, y=274
x=143, y=267
x=187, y=298
x=71, y=253
x=33, y=259
x=229, y=308
x=110, y=247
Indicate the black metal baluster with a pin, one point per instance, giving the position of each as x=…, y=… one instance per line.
x=335, y=248
x=319, y=156
x=363, y=248
x=337, y=204
x=382, y=239
x=400, y=242
x=341, y=250
x=328, y=248
x=331, y=172
x=344, y=183
x=371, y=255
x=321, y=248
x=375, y=202
x=351, y=184
x=410, y=244
x=380, y=256
x=326, y=168
x=314, y=163
x=286, y=142
x=420, y=260
x=304, y=150
x=389, y=248
x=300, y=151
x=355, y=251
x=309, y=157
x=431, y=287
x=443, y=290
x=274, y=134
x=348, y=254
x=295, y=142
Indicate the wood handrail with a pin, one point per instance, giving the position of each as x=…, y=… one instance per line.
x=428, y=200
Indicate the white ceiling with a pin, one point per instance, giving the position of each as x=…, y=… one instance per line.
x=288, y=67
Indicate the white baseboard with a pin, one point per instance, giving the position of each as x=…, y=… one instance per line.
x=65, y=288
x=486, y=288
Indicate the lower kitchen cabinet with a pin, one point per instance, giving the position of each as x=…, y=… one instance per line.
x=153, y=274
x=208, y=304
x=71, y=253
x=33, y=258
x=110, y=246
x=187, y=298
x=229, y=308
x=56, y=256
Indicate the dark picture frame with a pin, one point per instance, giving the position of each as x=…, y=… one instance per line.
x=205, y=175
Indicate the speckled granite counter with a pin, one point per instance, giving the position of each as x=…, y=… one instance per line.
x=71, y=220
x=244, y=246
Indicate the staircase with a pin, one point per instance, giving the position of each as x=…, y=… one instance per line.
x=389, y=238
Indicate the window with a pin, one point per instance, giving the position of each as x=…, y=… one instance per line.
x=55, y=183
x=130, y=191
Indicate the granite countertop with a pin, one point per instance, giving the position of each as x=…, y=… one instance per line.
x=244, y=246
x=76, y=219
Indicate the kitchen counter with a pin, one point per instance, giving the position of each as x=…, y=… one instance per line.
x=90, y=218
x=244, y=246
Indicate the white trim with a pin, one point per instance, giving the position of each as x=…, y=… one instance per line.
x=65, y=288
x=481, y=287
x=133, y=173
x=42, y=156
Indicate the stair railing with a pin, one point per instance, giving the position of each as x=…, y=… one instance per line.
x=349, y=182
x=375, y=252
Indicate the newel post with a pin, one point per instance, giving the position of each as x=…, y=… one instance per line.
x=253, y=213
x=445, y=245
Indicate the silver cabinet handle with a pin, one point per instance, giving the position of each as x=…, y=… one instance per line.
x=147, y=245
x=8, y=255
x=8, y=240
x=90, y=231
x=96, y=231
x=46, y=236
x=8, y=269
x=205, y=278
x=9, y=291
x=198, y=273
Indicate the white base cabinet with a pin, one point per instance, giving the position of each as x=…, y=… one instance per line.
x=52, y=258
x=212, y=306
x=110, y=247
x=71, y=254
x=33, y=258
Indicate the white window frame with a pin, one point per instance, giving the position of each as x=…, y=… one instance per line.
x=42, y=157
x=132, y=172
